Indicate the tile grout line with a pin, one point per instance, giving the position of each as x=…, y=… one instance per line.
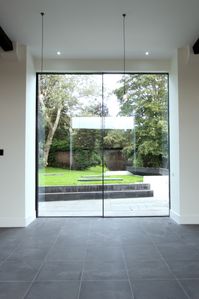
x=165, y=262
x=179, y=283
x=11, y=252
x=42, y=264
x=127, y=272
x=9, y=255
x=89, y=227
x=83, y=264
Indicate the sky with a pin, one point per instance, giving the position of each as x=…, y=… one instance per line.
x=111, y=83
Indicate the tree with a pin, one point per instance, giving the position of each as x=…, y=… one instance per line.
x=147, y=97
x=56, y=97
x=62, y=97
x=117, y=139
x=86, y=149
x=87, y=142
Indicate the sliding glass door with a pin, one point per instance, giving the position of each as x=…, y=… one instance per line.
x=136, y=145
x=69, y=145
x=102, y=145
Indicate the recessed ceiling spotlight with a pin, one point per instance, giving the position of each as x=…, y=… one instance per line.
x=58, y=53
x=146, y=53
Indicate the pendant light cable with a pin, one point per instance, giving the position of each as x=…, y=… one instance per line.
x=124, y=53
x=42, y=41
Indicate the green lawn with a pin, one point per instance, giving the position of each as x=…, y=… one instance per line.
x=63, y=177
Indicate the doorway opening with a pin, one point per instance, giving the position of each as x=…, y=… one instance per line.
x=100, y=152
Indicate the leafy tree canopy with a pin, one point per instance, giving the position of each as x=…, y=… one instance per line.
x=147, y=98
x=62, y=97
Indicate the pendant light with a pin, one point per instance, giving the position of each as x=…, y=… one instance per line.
x=124, y=57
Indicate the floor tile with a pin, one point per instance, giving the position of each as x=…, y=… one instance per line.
x=185, y=269
x=175, y=251
x=105, y=290
x=13, y=290
x=104, y=270
x=145, y=245
x=28, y=253
x=104, y=253
x=159, y=228
x=78, y=221
x=163, y=237
x=79, y=240
x=133, y=238
x=190, y=237
x=60, y=271
x=188, y=233
x=37, y=242
x=76, y=227
x=149, y=270
x=151, y=289
x=191, y=288
x=54, y=290
x=9, y=244
x=132, y=225
x=18, y=271
x=141, y=252
x=105, y=225
x=107, y=238
x=5, y=252
x=61, y=252
x=10, y=234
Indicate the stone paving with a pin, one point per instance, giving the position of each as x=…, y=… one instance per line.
x=158, y=205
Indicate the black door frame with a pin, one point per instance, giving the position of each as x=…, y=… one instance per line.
x=103, y=132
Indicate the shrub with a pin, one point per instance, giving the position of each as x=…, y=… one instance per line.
x=83, y=159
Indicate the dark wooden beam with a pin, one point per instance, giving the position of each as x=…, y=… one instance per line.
x=5, y=42
x=196, y=47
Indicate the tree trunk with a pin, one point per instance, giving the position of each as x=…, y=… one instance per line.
x=49, y=139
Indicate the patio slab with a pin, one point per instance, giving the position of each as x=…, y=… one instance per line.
x=158, y=205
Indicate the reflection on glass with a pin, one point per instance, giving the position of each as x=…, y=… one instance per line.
x=100, y=154
x=137, y=156
x=69, y=153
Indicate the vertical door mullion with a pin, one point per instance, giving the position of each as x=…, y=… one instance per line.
x=102, y=145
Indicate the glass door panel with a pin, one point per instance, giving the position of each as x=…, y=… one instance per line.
x=102, y=145
x=69, y=145
x=136, y=145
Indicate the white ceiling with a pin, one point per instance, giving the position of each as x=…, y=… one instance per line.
x=92, y=29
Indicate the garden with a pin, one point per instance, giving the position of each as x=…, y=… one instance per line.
x=52, y=176
x=69, y=157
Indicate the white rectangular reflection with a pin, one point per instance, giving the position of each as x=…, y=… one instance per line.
x=118, y=123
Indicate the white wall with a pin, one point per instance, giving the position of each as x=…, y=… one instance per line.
x=184, y=120
x=30, y=139
x=17, y=130
x=17, y=126
x=174, y=139
x=188, y=136
x=184, y=141
x=63, y=65
x=13, y=170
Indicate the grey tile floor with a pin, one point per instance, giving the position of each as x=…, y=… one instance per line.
x=94, y=258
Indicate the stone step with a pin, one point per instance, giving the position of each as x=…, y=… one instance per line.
x=64, y=196
x=96, y=179
x=94, y=188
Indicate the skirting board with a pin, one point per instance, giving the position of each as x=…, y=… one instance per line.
x=185, y=219
x=16, y=222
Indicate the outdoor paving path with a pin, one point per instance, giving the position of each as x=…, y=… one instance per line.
x=158, y=205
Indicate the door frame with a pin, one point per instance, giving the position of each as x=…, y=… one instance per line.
x=103, y=131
